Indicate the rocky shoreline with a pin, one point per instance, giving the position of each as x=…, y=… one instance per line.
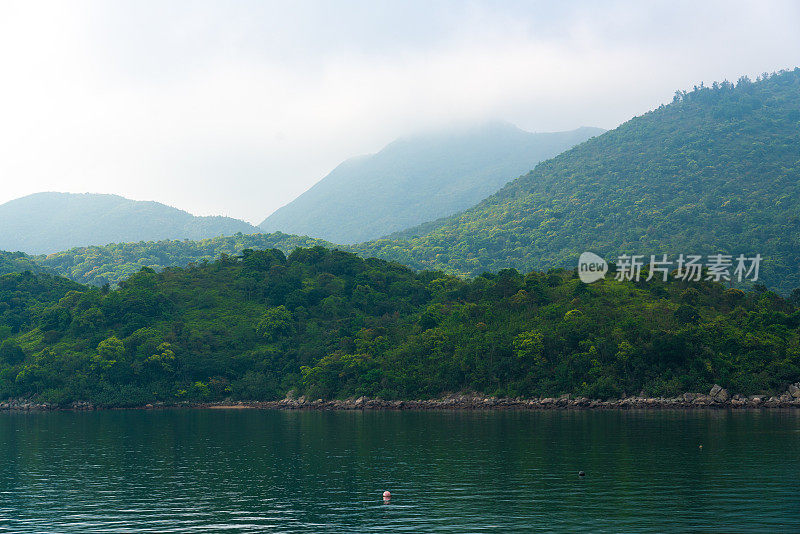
x=717, y=398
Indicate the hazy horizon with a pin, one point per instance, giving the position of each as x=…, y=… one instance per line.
x=237, y=109
x=442, y=129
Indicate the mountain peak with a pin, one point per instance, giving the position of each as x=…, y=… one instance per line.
x=416, y=179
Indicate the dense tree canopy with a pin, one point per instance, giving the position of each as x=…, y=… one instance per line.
x=330, y=324
x=108, y=264
x=17, y=262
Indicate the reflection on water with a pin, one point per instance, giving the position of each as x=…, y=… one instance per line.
x=255, y=471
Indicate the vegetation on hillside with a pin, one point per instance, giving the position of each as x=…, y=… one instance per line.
x=17, y=262
x=716, y=171
x=330, y=324
x=109, y=264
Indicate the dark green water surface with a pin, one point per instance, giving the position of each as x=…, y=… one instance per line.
x=273, y=471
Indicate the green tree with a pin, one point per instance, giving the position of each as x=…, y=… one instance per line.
x=529, y=346
x=275, y=323
x=11, y=353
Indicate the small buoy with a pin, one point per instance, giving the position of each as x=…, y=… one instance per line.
x=387, y=495
x=701, y=446
x=581, y=474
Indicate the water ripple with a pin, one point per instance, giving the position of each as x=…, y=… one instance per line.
x=267, y=471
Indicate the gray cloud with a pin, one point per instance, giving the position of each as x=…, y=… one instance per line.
x=235, y=108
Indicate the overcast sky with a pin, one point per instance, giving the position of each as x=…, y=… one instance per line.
x=237, y=107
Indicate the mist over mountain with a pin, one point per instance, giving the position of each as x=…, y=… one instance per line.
x=716, y=171
x=417, y=179
x=49, y=222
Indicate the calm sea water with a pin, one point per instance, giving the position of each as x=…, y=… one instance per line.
x=272, y=471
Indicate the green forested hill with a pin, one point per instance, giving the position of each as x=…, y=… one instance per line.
x=716, y=171
x=330, y=324
x=17, y=262
x=418, y=179
x=108, y=264
x=49, y=222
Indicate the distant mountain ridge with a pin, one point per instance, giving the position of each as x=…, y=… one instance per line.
x=43, y=223
x=417, y=179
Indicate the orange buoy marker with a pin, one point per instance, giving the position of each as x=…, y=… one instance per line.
x=387, y=495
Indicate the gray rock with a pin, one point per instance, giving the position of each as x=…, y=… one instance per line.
x=719, y=394
x=794, y=390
